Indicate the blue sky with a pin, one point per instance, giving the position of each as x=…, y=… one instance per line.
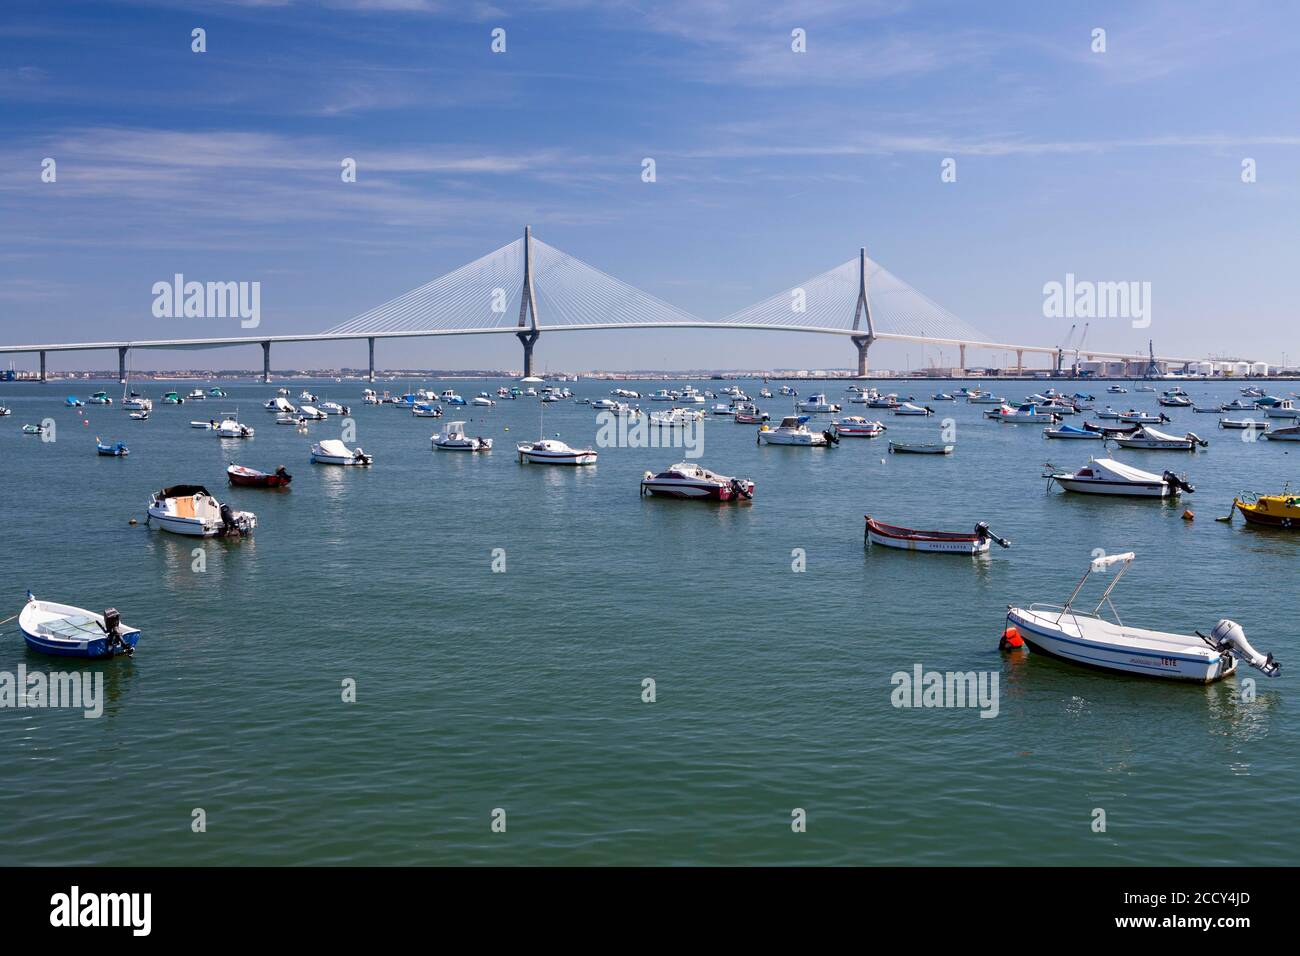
x=771, y=166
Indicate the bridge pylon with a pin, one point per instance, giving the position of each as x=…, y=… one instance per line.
x=861, y=309
x=529, y=332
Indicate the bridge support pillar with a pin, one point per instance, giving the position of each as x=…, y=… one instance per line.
x=42, y=366
x=121, y=365
x=528, y=339
x=266, y=362
x=863, y=343
x=1020, y=361
x=961, y=356
x=371, y=340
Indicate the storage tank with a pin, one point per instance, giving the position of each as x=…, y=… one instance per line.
x=1259, y=368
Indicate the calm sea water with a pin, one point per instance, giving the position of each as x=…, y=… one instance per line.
x=522, y=690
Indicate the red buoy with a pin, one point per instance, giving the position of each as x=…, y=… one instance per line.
x=1010, y=639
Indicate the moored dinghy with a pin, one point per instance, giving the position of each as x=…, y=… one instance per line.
x=453, y=438
x=921, y=447
x=114, y=450
x=1085, y=637
x=940, y=542
x=552, y=451
x=1073, y=431
x=66, y=631
x=252, y=478
x=689, y=480
x=1149, y=438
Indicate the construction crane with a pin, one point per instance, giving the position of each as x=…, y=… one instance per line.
x=1060, y=349
x=1078, y=347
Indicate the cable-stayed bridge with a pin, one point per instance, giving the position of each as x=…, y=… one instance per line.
x=528, y=287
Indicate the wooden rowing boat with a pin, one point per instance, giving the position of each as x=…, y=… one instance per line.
x=941, y=542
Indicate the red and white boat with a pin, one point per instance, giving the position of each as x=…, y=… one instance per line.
x=550, y=451
x=689, y=480
x=855, y=426
x=944, y=542
x=252, y=478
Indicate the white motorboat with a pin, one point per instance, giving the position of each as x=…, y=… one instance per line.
x=453, y=438
x=331, y=451
x=280, y=405
x=883, y=401
x=1287, y=433
x=676, y=417
x=1145, y=388
x=138, y=403
x=855, y=426
x=210, y=425
x=788, y=390
x=62, y=630
x=723, y=409
x=816, y=404
x=605, y=404
x=1085, y=637
x=1149, y=438
x=289, y=420
x=982, y=398
x=368, y=397
x=426, y=410
x=140, y=416
x=1243, y=424
x=1237, y=405
x=311, y=413
x=1134, y=417
x=482, y=398
x=688, y=480
x=1117, y=390
x=229, y=427
x=663, y=395
x=333, y=408
x=920, y=448
x=1174, y=400
x=197, y=395
x=764, y=393
x=1108, y=414
x=1106, y=476
x=552, y=451
x=1207, y=409
x=1028, y=414
x=451, y=398
x=191, y=510
x=303, y=396
x=1286, y=408
x=794, y=430
x=907, y=408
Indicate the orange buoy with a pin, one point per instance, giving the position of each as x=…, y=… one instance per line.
x=1189, y=515
x=1010, y=639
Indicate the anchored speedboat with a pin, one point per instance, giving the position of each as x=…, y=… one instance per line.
x=453, y=438
x=113, y=450
x=908, y=408
x=688, y=480
x=1073, y=431
x=100, y=398
x=191, y=510
x=230, y=427
x=1134, y=417
x=817, y=404
x=794, y=430
x=280, y=405
x=942, y=542
x=252, y=478
x=855, y=426
x=1085, y=637
x=1106, y=476
x=551, y=451
x=1151, y=439
x=66, y=631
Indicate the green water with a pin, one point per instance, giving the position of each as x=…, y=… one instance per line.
x=522, y=690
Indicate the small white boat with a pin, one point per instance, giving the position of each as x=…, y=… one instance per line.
x=482, y=398
x=137, y=403
x=1149, y=438
x=280, y=405
x=197, y=395
x=1106, y=476
x=816, y=404
x=688, y=480
x=1108, y=414
x=1073, y=431
x=980, y=398
x=426, y=410
x=191, y=510
x=605, y=404
x=331, y=451
x=289, y=420
x=794, y=430
x=229, y=427
x=907, y=408
x=368, y=397
x=938, y=542
x=1028, y=414
x=1242, y=424
x=1283, y=409
x=453, y=438
x=311, y=413
x=1287, y=433
x=1172, y=400
x=1117, y=390
x=855, y=426
x=1207, y=409
x=1085, y=637
x=1134, y=417
x=333, y=408
x=676, y=417
x=764, y=393
x=100, y=398
x=140, y=416
x=1237, y=405
x=552, y=451
x=210, y=425
x=304, y=396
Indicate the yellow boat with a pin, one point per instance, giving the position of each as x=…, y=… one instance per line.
x=1274, y=511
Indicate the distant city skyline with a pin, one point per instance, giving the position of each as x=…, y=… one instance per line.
x=980, y=154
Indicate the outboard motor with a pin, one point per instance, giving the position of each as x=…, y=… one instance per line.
x=982, y=531
x=1176, y=483
x=231, y=527
x=1197, y=439
x=831, y=438
x=741, y=489
x=113, y=628
x=1228, y=637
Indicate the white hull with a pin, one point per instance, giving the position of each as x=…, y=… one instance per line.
x=548, y=458
x=939, y=547
x=1093, y=642
x=1126, y=489
x=809, y=440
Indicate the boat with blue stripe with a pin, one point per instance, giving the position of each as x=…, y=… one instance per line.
x=66, y=631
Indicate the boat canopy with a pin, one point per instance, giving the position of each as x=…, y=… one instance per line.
x=1109, y=467
x=334, y=447
x=183, y=491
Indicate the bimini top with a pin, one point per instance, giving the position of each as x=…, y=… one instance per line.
x=183, y=491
